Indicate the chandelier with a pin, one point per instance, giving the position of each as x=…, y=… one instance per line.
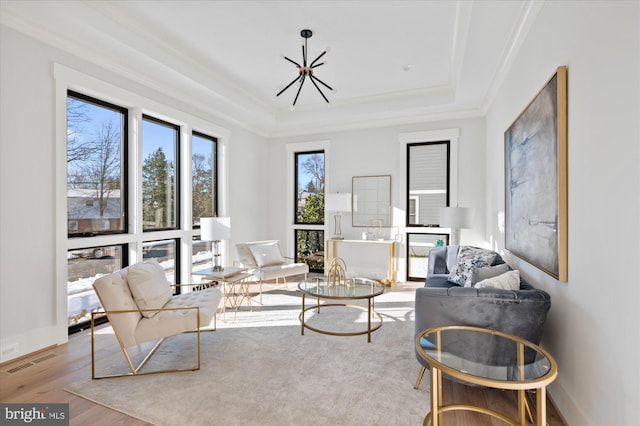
x=306, y=71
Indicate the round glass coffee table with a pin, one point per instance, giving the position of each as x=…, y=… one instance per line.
x=485, y=357
x=358, y=289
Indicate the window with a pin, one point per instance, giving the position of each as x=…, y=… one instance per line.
x=427, y=182
x=83, y=267
x=204, y=177
x=96, y=166
x=309, y=209
x=418, y=246
x=310, y=248
x=309, y=185
x=160, y=142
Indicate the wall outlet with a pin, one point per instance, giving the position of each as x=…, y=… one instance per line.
x=9, y=350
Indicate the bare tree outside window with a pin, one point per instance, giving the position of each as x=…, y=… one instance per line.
x=95, y=183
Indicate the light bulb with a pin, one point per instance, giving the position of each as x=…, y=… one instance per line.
x=328, y=49
x=292, y=107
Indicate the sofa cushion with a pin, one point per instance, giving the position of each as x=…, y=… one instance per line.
x=468, y=259
x=267, y=254
x=439, y=281
x=149, y=286
x=480, y=274
x=507, y=281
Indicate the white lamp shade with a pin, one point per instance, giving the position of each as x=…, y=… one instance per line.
x=215, y=228
x=338, y=202
x=456, y=217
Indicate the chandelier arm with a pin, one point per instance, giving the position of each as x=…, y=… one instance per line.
x=316, y=59
x=299, y=89
x=317, y=65
x=288, y=85
x=313, y=77
x=293, y=62
x=317, y=87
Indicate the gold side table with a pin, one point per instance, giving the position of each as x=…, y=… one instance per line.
x=522, y=366
x=235, y=285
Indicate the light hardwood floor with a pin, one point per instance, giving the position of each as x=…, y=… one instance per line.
x=41, y=378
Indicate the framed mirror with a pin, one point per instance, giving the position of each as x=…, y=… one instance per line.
x=371, y=201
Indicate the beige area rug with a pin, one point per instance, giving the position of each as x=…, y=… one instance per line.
x=257, y=369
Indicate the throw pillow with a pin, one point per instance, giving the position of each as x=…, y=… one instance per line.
x=149, y=286
x=480, y=274
x=468, y=259
x=507, y=281
x=267, y=254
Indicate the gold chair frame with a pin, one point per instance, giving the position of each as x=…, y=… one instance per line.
x=135, y=370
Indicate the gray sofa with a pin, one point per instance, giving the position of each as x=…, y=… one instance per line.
x=440, y=302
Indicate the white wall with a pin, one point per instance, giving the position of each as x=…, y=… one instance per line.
x=32, y=278
x=593, y=326
x=377, y=151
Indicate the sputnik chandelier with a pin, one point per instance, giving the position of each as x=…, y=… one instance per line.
x=306, y=71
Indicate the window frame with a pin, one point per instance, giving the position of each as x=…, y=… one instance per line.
x=408, y=186
x=124, y=162
x=295, y=185
x=177, y=175
x=214, y=195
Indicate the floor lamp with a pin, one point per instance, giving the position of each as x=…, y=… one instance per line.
x=456, y=218
x=215, y=229
x=338, y=203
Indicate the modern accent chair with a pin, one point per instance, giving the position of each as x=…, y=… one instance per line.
x=521, y=311
x=140, y=305
x=264, y=259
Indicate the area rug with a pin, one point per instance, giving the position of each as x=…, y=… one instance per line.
x=257, y=369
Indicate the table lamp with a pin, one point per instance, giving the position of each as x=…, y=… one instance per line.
x=456, y=218
x=339, y=203
x=215, y=229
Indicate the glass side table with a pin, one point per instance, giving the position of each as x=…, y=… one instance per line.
x=506, y=362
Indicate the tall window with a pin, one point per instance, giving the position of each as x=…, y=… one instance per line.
x=160, y=141
x=427, y=182
x=96, y=166
x=309, y=208
x=204, y=176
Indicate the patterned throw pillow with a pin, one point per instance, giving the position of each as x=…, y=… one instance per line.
x=468, y=259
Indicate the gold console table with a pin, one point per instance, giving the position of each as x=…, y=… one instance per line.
x=331, y=251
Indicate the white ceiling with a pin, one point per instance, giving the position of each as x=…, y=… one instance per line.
x=390, y=61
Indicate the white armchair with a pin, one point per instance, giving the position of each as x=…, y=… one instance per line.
x=264, y=259
x=141, y=307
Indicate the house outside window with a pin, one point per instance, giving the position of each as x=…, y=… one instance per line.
x=427, y=182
